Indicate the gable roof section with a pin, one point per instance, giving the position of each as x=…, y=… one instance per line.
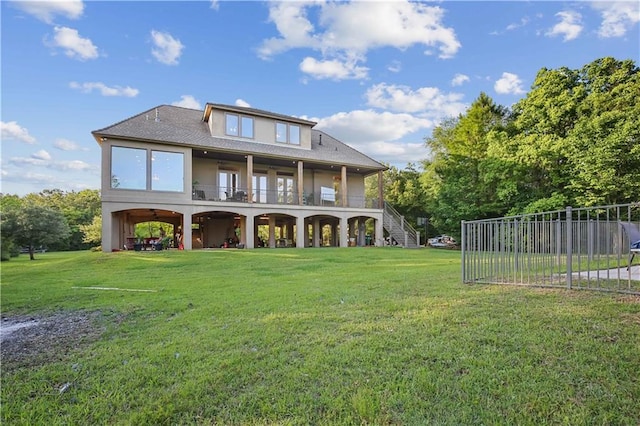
x=184, y=127
x=254, y=112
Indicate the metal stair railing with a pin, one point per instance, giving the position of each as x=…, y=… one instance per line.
x=398, y=228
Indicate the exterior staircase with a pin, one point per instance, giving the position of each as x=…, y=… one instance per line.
x=400, y=231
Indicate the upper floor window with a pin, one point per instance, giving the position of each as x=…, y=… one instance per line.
x=128, y=168
x=236, y=125
x=167, y=170
x=142, y=169
x=288, y=133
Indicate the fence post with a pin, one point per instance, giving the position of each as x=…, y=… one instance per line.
x=569, y=248
x=463, y=245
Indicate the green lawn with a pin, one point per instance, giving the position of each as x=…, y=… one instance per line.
x=314, y=336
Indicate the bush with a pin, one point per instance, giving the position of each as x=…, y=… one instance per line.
x=8, y=250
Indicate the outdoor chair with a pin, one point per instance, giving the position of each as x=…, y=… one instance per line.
x=633, y=234
x=240, y=196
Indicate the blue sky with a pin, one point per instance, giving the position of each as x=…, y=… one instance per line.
x=378, y=75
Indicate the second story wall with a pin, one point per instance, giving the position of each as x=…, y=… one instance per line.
x=130, y=168
x=235, y=125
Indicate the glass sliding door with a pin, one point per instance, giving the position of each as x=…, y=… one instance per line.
x=228, y=182
x=285, y=190
x=260, y=188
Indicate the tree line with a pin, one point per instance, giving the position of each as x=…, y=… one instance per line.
x=574, y=139
x=54, y=219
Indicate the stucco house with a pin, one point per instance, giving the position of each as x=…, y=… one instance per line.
x=235, y=176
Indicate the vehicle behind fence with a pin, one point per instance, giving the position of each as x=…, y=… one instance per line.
x=585, y=248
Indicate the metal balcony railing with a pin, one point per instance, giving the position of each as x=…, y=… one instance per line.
x=280, y=197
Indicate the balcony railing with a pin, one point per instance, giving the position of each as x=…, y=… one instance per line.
x=280, y=197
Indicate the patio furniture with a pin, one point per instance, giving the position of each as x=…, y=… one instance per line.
x=633, y=234
x=240, y=196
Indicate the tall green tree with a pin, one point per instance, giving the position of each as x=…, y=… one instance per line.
x=79, y=208
x=577, y=134
x=93, y=231
x=32, y=225
x=605, y=141
x=460, y=177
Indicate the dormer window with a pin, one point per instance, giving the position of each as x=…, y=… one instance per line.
x=237, y=125
x=288, y=133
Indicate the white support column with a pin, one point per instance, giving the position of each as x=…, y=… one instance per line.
x=379, y=233
x=187, y=235
x=272, y=231
x=250, y=179
x=362, y=230
x=106, y=231
x=343, y=182
x=248, y=232
x=300, y=182
x=300, y=233
x=305, y=225
x=344, y=236
x=317, y=232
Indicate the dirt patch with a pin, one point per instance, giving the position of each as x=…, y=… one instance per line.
x=29, y=341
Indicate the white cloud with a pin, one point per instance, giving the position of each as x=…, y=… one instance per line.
x=459, y=80
x=242, y=103
x=215, y=4
x=167, y=49
x=188, y=101
x=367, y=125
x=524, y=21
x=67, y=145
x=75, y=165
x=13, y=131
x=332, y=69
x=105, y=90
x=73, y=45
x=43, y=159
x=395, y=66
x=377, y=134
x=26, y=177
x=41, y=155
x=425, y=101
x=618, y=17
x=350, y=29
x=509, y=84
x=28, y=161
x=570, y=25
x=47, y=10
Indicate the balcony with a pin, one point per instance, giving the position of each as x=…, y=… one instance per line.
x=322, y=199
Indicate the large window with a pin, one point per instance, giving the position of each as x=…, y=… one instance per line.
x=167, y=171
x=236, y=125
x=288, y=133
x=130, y=169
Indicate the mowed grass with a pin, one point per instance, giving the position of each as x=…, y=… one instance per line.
x=317, y=336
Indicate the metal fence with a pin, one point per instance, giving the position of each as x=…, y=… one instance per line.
x=583, y=248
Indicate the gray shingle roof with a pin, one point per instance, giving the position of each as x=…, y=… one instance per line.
x=183, y=126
